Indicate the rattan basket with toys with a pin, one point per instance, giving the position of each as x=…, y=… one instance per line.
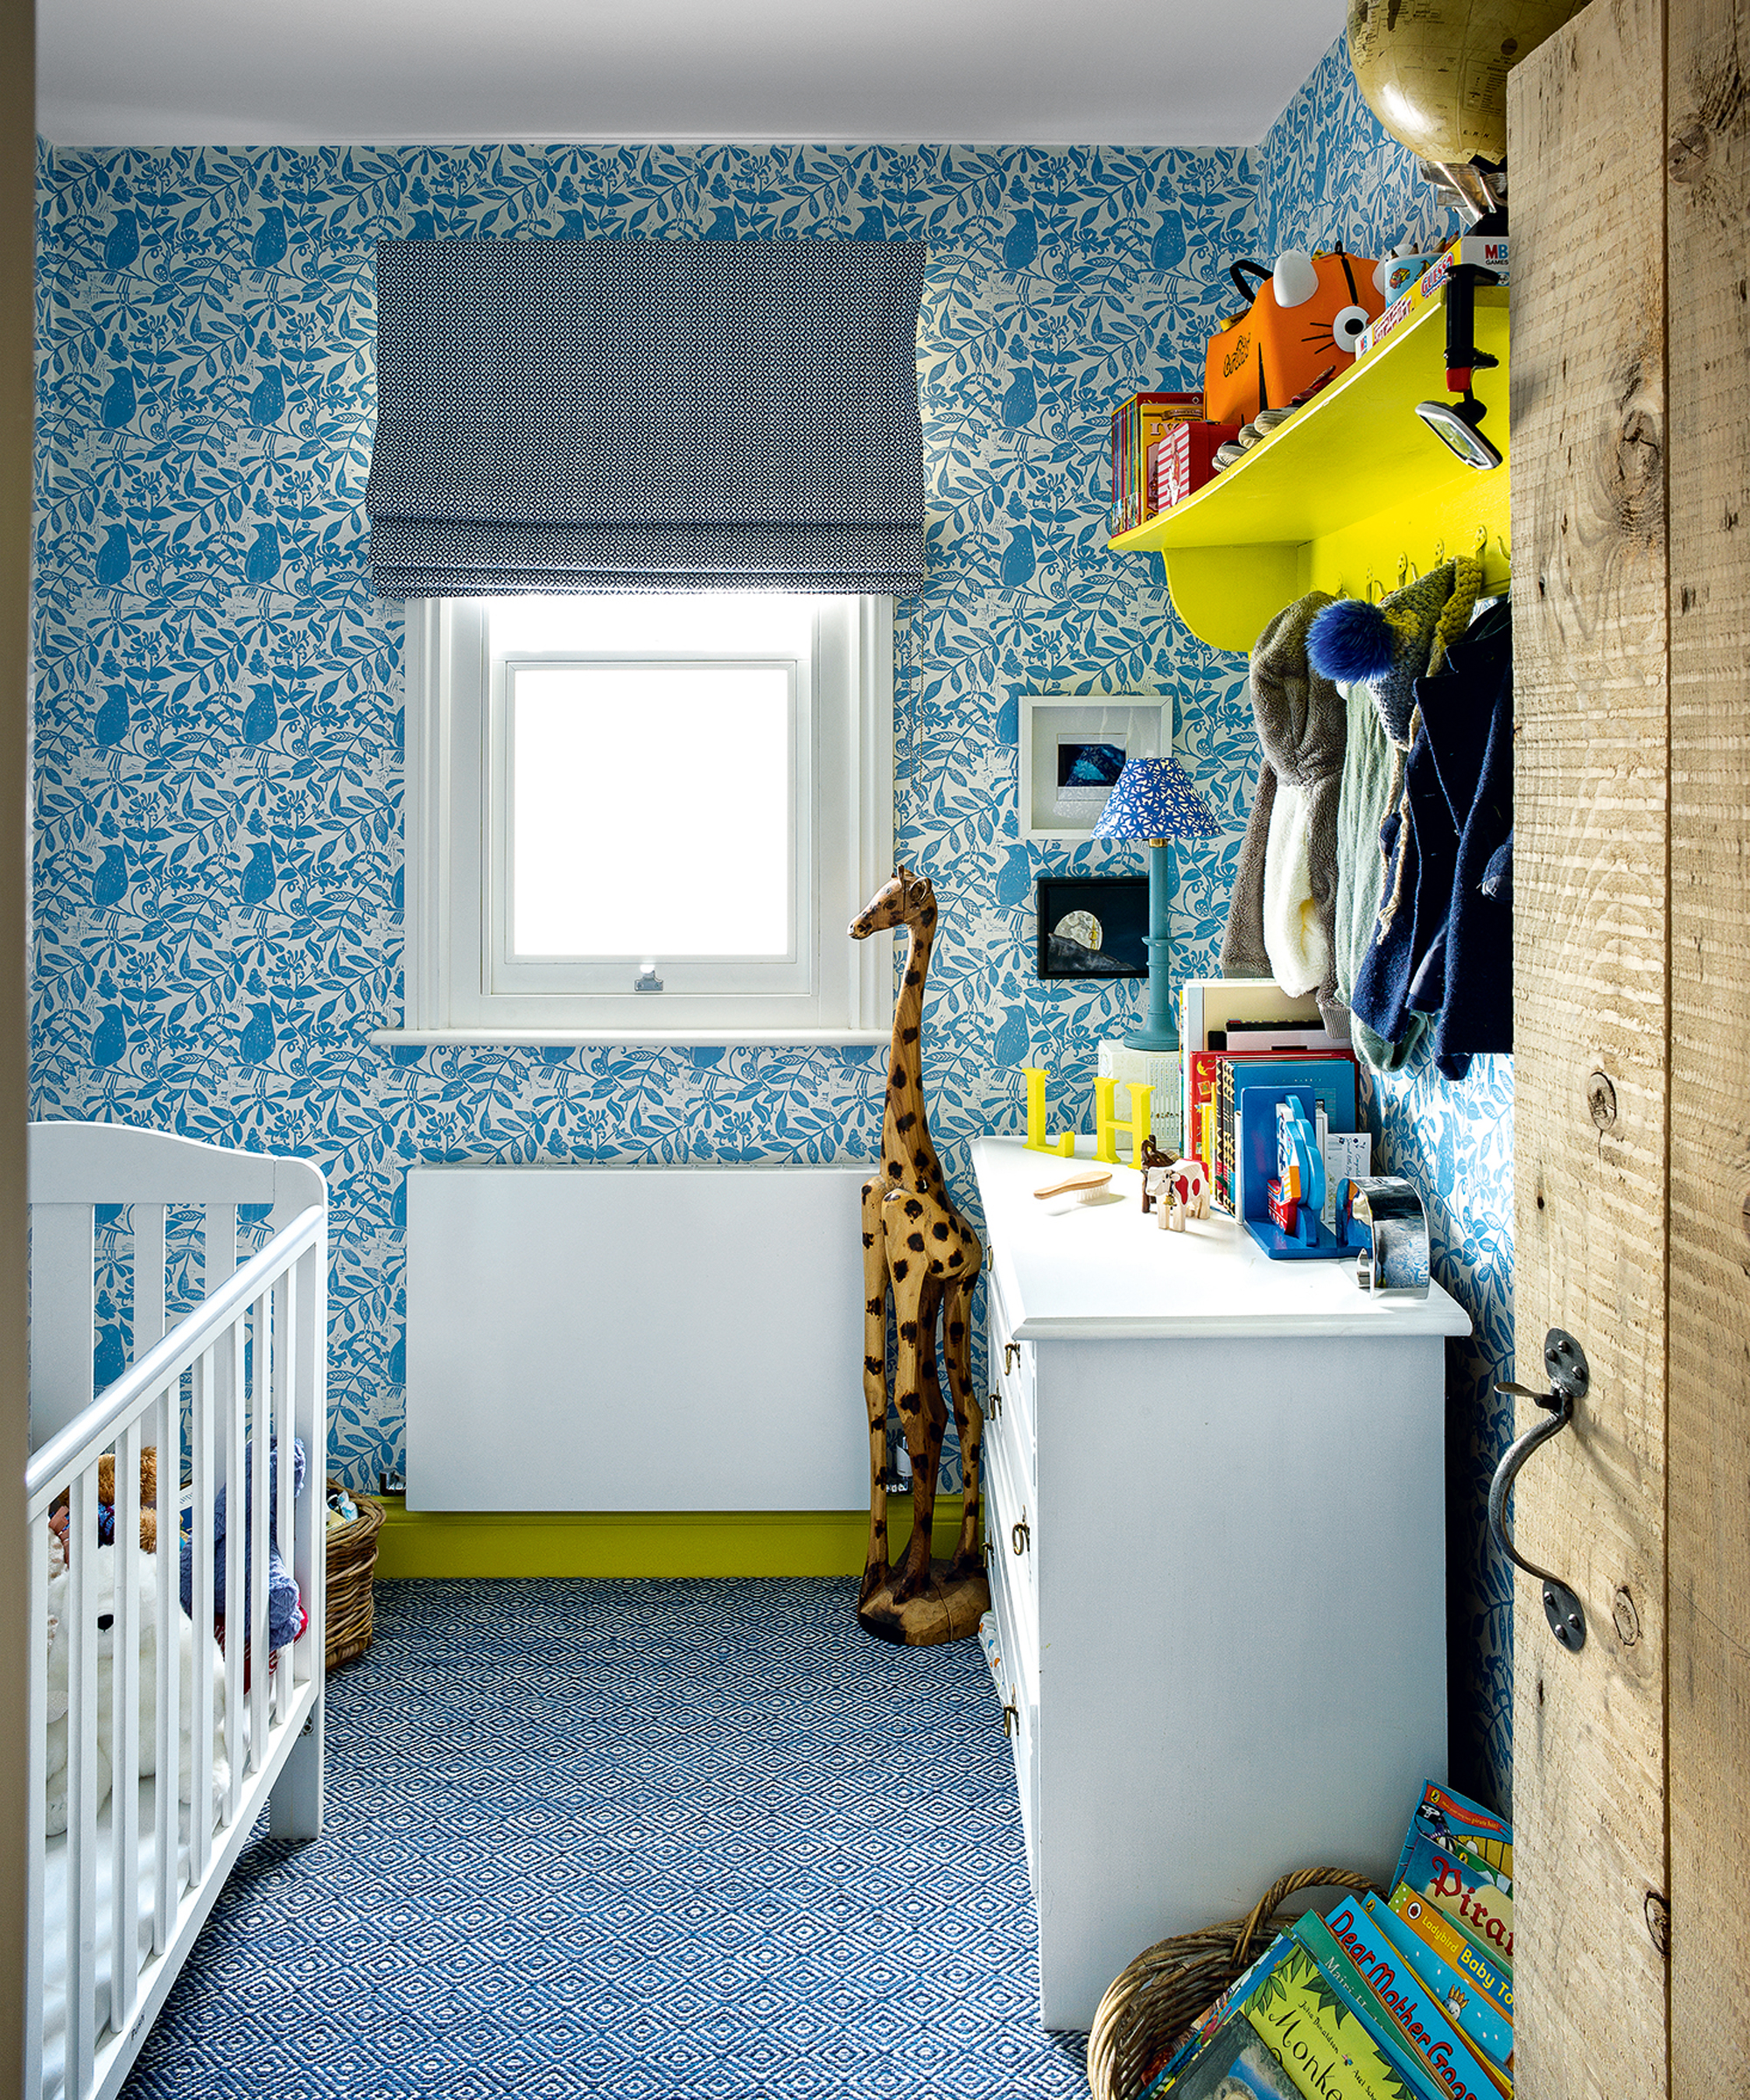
x=1154, y=2003
x=352, y=1561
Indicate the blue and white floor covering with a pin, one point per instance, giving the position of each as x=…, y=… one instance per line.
x=657, y=1839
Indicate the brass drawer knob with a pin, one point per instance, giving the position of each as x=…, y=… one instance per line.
x=1012, y=1355
x=996, y=1408
x=1019, y=1537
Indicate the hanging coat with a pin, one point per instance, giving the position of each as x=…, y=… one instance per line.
x=1280, y=922
x=1466, y=972
x=1411, y=967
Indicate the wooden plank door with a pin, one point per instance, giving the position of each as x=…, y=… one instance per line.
x=1707, y=221
x=1630, y=392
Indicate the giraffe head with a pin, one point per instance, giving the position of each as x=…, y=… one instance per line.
x=903, y=899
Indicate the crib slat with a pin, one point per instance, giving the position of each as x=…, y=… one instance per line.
x=63, y=1317
x=167, y=1414
x=236, y=1563
x=310, y=1515
x=124, y=1736
x=201, y=1611
x=260, y=1503
x=149, y=1275
x=82, y=1775
x=220, y=1244
x=36, y=1787
x=284, y=1344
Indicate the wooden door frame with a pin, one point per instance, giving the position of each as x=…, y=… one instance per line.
x=1628, y=140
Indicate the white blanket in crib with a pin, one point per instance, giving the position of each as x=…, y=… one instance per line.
x=54, y=1923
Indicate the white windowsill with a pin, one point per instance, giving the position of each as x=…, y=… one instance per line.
x=628, y=1038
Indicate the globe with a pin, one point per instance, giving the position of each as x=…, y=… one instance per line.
x=1435, y=72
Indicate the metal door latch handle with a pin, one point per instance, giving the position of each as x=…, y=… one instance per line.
x=1012, y=1718
x=1019, y=1537
x=1012, y=1355
x=996, y=1408
x=1570, y=1380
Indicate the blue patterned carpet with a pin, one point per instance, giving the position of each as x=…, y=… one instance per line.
x=632, y=1838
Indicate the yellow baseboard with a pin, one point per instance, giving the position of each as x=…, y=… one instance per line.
x=699, y=1542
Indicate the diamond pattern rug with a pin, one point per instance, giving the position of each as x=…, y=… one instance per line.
x=663, y=1838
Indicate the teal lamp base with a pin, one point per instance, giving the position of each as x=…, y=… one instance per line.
x=1158, y=1031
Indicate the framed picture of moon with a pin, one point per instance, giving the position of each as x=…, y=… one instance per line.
x=1092, y=926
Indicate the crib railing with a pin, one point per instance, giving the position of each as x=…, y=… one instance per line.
x=241, y=1376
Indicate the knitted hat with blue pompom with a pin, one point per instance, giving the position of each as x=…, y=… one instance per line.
x=1390, y=645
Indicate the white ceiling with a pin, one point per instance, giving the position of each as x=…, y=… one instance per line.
x=164, y=72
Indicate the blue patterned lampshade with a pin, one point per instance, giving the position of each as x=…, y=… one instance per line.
x=1154, y=799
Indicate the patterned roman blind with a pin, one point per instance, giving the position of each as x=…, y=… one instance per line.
x=609, y=415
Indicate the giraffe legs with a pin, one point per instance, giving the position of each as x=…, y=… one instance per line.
x=875, y=1385
x=917, y=1301
x=968, y=1417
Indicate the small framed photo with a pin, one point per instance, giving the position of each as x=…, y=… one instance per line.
x=1074, y=750
x=1093, y=926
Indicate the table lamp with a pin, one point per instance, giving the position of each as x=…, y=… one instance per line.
x=1154, y=800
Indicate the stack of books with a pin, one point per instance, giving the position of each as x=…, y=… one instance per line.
x=1140, y=424
x=1409, y=1998
x=1183, y=460
x=1218, y=1078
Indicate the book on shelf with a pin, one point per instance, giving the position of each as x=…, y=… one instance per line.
x=1330, y=1075
x=1371, y=2001
x=1211, y=1008
x=1138, y=424
x=1480, y=251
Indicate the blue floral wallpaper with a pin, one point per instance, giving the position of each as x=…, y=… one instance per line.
x=218, y=709
x=1326, y=172
x=218, y=731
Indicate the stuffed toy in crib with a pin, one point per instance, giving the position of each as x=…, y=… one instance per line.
x=285, y=1609
x=104, y=1605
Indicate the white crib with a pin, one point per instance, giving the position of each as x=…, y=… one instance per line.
x=116, y=1905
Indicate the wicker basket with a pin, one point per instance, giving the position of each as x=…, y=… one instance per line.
x=1164, y=1991
x=351, y=1561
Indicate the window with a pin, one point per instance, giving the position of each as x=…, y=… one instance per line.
x=647, y=818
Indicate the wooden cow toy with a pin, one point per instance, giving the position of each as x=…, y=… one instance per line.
x=1177, y=1187
x=1188, y=1189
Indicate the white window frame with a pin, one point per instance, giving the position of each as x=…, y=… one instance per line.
x=460, y=984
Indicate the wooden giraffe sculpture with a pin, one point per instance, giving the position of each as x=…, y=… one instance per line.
x=916, y=1241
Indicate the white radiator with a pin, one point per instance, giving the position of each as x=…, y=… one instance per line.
x=635, y=1338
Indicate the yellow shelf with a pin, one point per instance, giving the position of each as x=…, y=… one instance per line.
x=1346, y=488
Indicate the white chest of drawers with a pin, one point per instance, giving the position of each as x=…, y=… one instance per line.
x=1216, y=1518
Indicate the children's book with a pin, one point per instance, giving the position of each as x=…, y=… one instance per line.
x=1315, y=1936
x=1466, y=2003
x=1491, y=1975
x=1326, y=2046
x=1236, y=2063
x=1202, y=2028
x=1461, y=1825
x=1461, y=1885
x=1209, y=1010
x=1444, y=2056
x=1330, y=1079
